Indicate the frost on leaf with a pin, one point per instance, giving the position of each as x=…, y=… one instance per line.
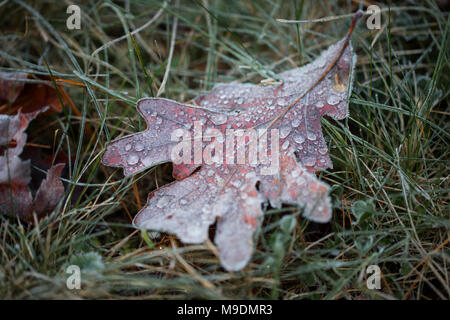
x=214, y=133
x=15, y=196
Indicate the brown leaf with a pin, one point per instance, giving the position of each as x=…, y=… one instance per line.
x=24, y=101
x=50, y=192
x=15, y=196
x=226, y=135
x=11, y=86
x=29, y=97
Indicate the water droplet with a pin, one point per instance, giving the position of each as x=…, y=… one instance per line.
x=218, y=119
x=284, y=132
x=128, y=147
x=139, y=146
x=147, y=161
x=295, y=122
x=285, y=145
x=133, y=159
x=298, y=138
x=308, y=161
x=311, y=136
x=282, y=102
x=236, y=183
x=333, y=100
x=319, y=104
x=163, y=202
x=295, y=173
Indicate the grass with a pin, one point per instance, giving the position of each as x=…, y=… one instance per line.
x=390, y=181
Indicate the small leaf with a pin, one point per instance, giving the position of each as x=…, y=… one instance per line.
x=287, y=224
x=362, y=210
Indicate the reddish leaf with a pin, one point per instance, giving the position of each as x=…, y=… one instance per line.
x=11, y=86
x=15, y=196
x=26, y=101
x=50, y=192
x=29, y=97
x=224, y=188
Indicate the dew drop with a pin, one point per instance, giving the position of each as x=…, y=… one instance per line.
x=236, y=183
x=285, y=145
x=147, y=161
x=218, y=119
x=295, y=122
x=133, y=159
x=284, y=132
x=128, y=147
x=333, y=100
x=298, y=138
x=282, y=102
x=163, y=202
x=308, y=161
x=139, y=146
x=311, y=136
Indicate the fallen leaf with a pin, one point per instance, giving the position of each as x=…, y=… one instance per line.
x=15, y=195
x=23, y=101
x=213, y=144
x=11, y=85
x=17, y=94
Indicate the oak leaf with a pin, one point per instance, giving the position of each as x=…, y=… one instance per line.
x=211, y=185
